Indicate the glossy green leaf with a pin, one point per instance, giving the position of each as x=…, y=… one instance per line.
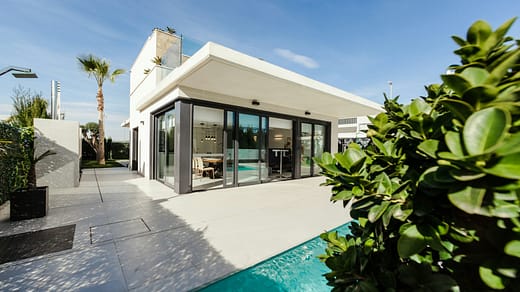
x=419, y=106
x=349, y=157
x=402, y=214
x=454, y=143
x=380, y=146
x=343, y=195
x=343, y=160
x=358, y=165
x=508, y=167
x=468, y=199
x=501, y=31
x=377, y=211
x=509, y=145
x=478, y=32
x=512, y=248
x=490, y=279
x=410, y=242
x=326, y=158
x=484, y=129
x=456, y=82
x=498, y=73
x=431, y=236
x=510, y=94
x=460, y=235
x=504, y=209
x=387, y=216
x=465, y=175
x=475, y=75
x=429, y=147
x=460, y=41
x=480, y=94
x=460, y=108
x=467, y=50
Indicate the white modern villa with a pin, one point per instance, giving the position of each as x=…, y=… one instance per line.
x=221, y=118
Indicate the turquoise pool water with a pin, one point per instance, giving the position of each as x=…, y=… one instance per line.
x=297, y=269
x=242, y=168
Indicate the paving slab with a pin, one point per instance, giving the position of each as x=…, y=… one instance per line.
x=135, y=234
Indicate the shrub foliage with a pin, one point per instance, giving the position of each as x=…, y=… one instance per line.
x=15, y=161
x=436, y=196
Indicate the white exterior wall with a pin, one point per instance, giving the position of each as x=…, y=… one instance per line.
x=354, y=130
x=63, y=138
x=143, y=61
x=158, y=43
x=145, y=134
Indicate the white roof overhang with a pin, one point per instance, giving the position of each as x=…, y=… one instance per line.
x=218, y=69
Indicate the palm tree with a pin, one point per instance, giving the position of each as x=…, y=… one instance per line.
x=100, y=69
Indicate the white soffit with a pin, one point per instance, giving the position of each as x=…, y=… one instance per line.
x=218, y=69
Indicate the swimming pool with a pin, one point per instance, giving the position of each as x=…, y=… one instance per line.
x=297, y=269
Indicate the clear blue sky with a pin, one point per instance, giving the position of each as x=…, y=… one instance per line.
x=355, y=45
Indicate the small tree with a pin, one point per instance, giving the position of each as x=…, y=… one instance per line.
x=437, y=194
x=90, y=133
x=100, y=70
x=26, y=107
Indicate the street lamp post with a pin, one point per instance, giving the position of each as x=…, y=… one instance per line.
x=391, y=88
x=19, y=72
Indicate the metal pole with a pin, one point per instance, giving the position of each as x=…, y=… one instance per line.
x=391, y=88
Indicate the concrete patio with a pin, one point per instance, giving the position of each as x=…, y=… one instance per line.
x=134, y=234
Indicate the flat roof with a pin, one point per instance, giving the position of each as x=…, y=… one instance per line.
x=215, y=68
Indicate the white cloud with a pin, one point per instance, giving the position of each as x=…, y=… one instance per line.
x=296, y=58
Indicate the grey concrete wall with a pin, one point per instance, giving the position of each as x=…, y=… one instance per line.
x=62, y=169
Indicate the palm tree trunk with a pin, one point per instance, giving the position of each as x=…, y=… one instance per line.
x=101, y=110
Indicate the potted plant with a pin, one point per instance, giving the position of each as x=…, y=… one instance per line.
x=30, y=201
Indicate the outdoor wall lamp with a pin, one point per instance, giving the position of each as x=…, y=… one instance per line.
x=19, y=72
x=142, y=122
x=255, y=102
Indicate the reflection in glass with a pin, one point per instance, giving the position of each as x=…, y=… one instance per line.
x=207, y=160
x=164, y=146
x=248, y=148
x=160, y=147
x=319, y=145
x=280, y=149
x=230, y=149
x=306, y=149
x=262, y=147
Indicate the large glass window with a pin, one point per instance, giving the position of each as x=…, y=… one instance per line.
x=230, y=149
x=313, y=137
x=164, y=146
x=280, y=149
x=306, y=149
x=208, y=151
x=249, y=142
x=319, y=145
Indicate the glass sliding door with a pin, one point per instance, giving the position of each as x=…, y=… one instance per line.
x=280, y=149
x=262, y=161
x=160, y=147
x=170, y=134
x=208, y=148
x=306, y=149
x=164, y=147
x=319, y=145
x=248, y=149
x=230, y=145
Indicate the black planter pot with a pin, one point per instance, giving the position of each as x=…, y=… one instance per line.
x=29, y=203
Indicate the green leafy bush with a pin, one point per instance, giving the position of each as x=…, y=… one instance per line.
x=14, y=158
x=436, y=194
